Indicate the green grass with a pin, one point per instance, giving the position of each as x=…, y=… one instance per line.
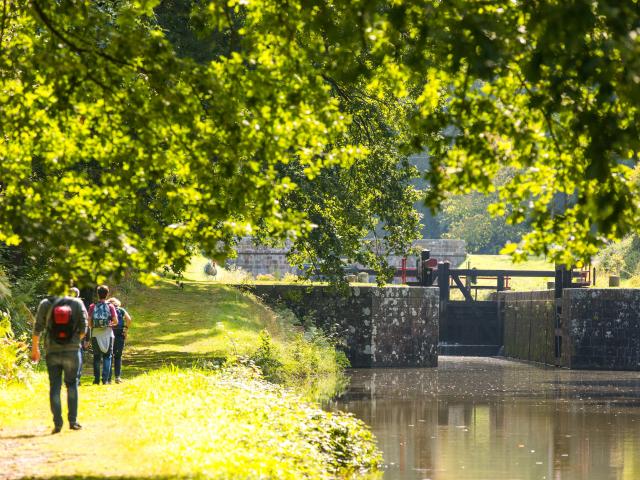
x=215, y=322
x=183, y=424
x=171, y=324
x=503, y=262
x=173, y=420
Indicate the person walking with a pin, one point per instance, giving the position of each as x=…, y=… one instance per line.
x=75, y=293
x=102, y=318
x=64, y=321
x=120, y=335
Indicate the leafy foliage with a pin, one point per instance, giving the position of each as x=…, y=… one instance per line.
x=121, y=154
x=547, y=88
x=117, y=150
x=621, y=258
x=373, y=197
x=14, y=354
x=467, y=216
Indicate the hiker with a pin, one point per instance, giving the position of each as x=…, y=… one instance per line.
x=102, y=317
x=120, y=335
x=64, y=319
x=75, y=293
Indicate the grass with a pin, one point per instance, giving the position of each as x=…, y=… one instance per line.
x=214, y=323
x=179, y=414
x=503, y=262
x=175, y=423
x=201, y=320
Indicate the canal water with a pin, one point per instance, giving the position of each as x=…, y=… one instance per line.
x=492, y=419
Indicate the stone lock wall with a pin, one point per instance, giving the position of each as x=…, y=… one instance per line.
x=600, y=328
x=381, y=327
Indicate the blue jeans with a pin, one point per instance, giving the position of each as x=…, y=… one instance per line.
x=118, y=347
x=69, y=363
x=101, y=358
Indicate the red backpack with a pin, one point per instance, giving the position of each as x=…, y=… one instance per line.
x=61, y=325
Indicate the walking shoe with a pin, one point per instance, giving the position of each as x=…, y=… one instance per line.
x=96, y=382
x=118, y=380
x=75, y=426
x=56, y=429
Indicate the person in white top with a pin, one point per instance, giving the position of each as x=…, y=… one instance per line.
x=102, y=318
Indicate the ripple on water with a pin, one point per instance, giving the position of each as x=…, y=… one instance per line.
x=488, y=418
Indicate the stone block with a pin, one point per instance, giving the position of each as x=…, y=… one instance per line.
x=382, y=327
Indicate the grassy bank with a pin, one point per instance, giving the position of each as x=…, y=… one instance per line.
x=182, y=424
x=215, y=323
x=180, y=414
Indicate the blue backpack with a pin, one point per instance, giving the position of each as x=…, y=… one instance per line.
x=101, y=316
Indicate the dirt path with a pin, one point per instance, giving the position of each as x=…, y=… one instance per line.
x=28, y=449
x=25, y=453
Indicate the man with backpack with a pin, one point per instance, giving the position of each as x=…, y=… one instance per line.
x=102, y=318
x=64, y=320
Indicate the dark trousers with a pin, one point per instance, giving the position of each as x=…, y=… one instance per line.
x=101, y=358
x=118, y=348
x=67, y=363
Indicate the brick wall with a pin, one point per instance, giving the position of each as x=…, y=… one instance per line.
x=381, y=327
x=261, y=260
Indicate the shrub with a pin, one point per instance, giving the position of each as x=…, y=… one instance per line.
x=265, y=277
x=266, y=357
x=14, y=353
x=16, y=302
x=621, y=258
x=305, y=357
x=290, y=278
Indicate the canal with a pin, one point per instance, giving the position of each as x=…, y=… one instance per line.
x=492, y=419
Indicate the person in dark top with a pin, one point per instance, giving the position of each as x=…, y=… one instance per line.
x=120, y=335
x=75, y=293
x=64, y=321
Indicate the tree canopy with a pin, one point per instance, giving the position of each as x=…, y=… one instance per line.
x=117, y=150
x=466, y=216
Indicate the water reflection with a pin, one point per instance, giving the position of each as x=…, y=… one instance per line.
x=482, y=418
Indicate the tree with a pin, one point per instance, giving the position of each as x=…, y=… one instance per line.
x=95, y=98
x=373, y=198
x=116, y=152
x=466, y=216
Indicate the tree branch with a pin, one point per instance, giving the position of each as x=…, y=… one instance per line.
x=2, y=25
x=80, y=50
